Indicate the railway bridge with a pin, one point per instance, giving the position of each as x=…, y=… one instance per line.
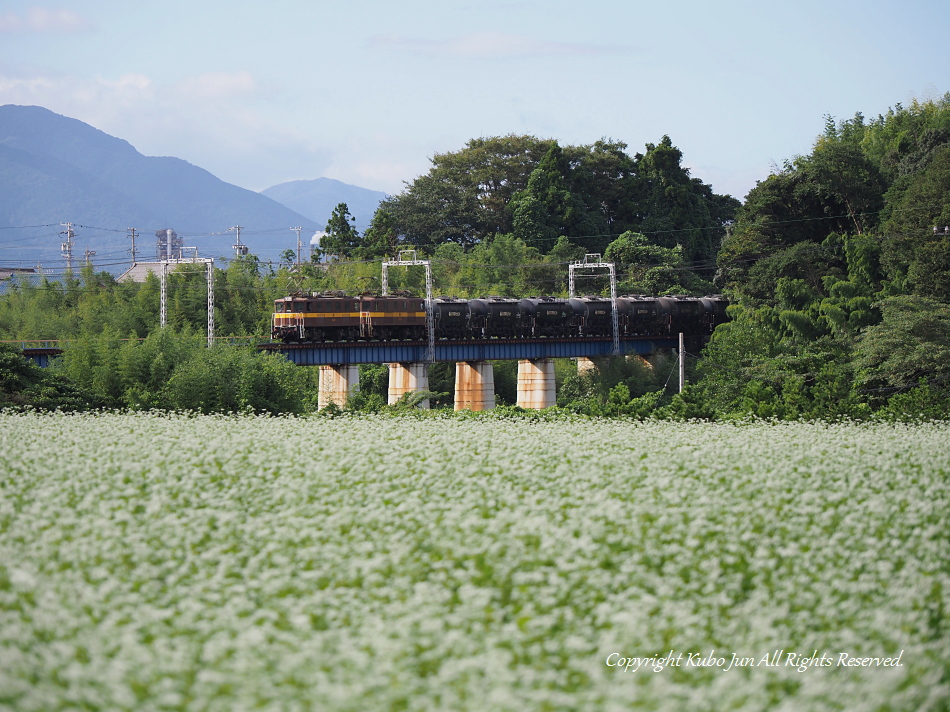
x=409, y=361
x=474, y=376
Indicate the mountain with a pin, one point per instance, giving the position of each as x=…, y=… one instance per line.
x=317, y=198
x=55, y=169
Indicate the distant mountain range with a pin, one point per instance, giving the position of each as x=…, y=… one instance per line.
x=317, y=198
x=55, y=169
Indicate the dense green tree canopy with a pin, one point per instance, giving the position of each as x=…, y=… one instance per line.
x=539, y=191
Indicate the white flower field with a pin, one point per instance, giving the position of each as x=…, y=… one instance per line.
x=169, y=562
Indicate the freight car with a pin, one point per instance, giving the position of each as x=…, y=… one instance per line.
x=334, y=316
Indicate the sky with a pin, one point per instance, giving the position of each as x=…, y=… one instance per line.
x=367, y=92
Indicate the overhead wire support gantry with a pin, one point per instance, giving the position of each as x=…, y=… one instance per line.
x=593, y=261
x=407, y=258
x=163, y=293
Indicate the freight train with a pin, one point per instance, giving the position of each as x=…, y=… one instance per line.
x=334, y=316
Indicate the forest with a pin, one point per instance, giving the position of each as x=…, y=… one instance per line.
x=837, y=266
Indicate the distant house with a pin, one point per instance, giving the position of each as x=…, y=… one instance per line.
x=138, y=272
x=7, y=272
x=23, y=274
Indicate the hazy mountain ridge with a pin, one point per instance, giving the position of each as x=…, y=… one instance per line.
x=40, y=189
x=317, y=198
x=55, y=169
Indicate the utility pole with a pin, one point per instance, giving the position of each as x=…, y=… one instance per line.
x=89, y=254
x=131, y=231
x=163, y=296
x=297, y=230
x=67, y=246
x=238, y=248
x=296, y=277
x=682, y=363
x=210, y=275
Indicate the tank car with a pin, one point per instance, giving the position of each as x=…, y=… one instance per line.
x=687, y=315
x=645, y=315
x=593, y=316
x=715, y=307
x=546, y=316
x=452, y=318
x=494, y=317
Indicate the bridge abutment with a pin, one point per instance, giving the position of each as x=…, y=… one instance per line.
x=474, y=385
x=337, y=382
x=407, y=377
x=536, y=388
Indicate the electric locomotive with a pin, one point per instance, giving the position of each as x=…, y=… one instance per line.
x=333, y=316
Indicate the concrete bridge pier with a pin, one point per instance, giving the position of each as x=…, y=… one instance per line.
x=642, y=360
x=337, y=382
x=536, y=383
x=407, y=377
x=474, y=385
x=585, y=364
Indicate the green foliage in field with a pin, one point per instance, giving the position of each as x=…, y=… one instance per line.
x=171, y=371
x=362, y=563
x=24, y=385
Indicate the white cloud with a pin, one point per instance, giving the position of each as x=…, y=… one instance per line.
x=43, y=20
x=485, y=45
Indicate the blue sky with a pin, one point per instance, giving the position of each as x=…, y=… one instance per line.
x=366, y=91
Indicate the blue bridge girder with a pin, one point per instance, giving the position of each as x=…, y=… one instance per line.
x=356, y=352
x=41, y=356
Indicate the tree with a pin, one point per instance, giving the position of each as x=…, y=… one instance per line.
x=842, y=174
x=605, y=177
x=487, y=173
x=645, y=268
x=547, y=208
x=381, y=239
x=341, y=238
x=23, y=384
x=781, y=228
x=912, y=342
x=538, y=191
x=913, y=255
x=678, y=210
x=464, y=196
